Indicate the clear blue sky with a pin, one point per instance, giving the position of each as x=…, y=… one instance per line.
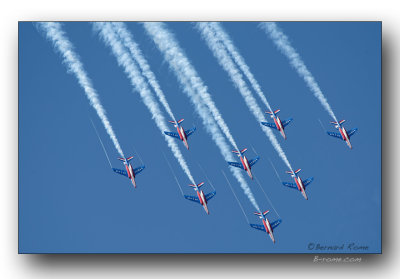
x=71, y=201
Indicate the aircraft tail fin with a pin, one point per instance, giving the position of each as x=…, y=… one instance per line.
x=239, y=152
x=336, y=123
x=261, y=214
x=198, y=185
x=276, y=111
x=176, y=122
x=127, y=159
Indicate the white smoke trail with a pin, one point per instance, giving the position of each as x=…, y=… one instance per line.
x=194, y=88
x=225, y=39
x=226, y=62
x=281, y=41
x=134, y=49
x=62, y=45
x=110, y=38
x=159, y=33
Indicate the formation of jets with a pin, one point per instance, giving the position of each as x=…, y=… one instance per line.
x=244, y=164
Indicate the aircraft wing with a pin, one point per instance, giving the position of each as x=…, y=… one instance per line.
x=190, y=131
x=290, y=185
x=192, y=198
x=352, y=132
x=252, y=162
x=268, y=124
x=210, y=195
x=172, y=134
x=286, y=122
x=275, y=223
x=234, y=164
x=308, y=181
x=138, y=170
x=120, y=172
x=258, y=227
x=336, y=135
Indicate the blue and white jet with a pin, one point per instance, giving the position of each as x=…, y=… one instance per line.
x=201, y=198
x=343, y=135
x=266, y=225
x=130, y=172
x=245, y=164
x=278, y=124
x=181, y=133
x=300, y=184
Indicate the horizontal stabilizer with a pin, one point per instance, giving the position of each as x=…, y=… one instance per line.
x=130, y=158
x=239, y=152
x=198, y=185
x=276, y=112
x=180, y=121
x=297, y=171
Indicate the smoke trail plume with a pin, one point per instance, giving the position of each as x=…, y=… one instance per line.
x=194, y=88
x=225, y=39
x=281, y=41
x=226, y=62
x=157, y=31
x=135, y=51
x=110, y=39
x=62, y=45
